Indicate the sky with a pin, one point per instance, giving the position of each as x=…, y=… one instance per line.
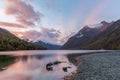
x=54, y=21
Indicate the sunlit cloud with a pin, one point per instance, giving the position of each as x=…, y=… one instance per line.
x=18, y=34
x=6, y=18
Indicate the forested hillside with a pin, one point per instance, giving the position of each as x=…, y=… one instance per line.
x=10, y=42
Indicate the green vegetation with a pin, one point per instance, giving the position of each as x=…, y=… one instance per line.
x=13, y=43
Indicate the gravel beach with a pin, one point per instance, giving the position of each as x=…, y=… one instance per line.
x=97, y=66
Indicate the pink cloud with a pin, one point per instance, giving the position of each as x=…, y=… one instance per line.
x=4, y=24
x=23, y=11
x=92, y=18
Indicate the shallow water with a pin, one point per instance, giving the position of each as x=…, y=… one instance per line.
x=32, y=65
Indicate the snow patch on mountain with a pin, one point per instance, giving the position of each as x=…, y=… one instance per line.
x=79, y=36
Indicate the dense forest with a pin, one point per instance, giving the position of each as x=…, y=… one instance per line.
x=10, y=42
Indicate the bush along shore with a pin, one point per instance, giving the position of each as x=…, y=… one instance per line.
x=97, y=66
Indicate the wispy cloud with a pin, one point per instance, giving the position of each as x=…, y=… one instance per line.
x=93, y=16
x=23, y=11
x=7, y=24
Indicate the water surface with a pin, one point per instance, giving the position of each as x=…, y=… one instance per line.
x=37, y=65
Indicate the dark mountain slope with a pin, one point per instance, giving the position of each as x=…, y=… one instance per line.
x=6, y=32
x=83, y=36
x=100, y=36
x=108, y=39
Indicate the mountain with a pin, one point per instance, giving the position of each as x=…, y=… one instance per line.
x=4, y=31
x=85, y=38
x=108, y=39
x=79, y=39
x=48, y=45
x=8, y=41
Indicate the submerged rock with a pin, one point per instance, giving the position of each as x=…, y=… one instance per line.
x=49, y=66
x=65, y=69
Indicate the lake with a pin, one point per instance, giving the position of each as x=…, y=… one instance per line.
x=37, y=64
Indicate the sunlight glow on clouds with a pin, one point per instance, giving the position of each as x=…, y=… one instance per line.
x=54, y=21
x=27, y=20
x=47, y=35
x=6, y=18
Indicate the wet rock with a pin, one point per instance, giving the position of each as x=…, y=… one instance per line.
x=57, y=62
x=69, y=67
x=49, y=64
x=67, y=78
x=49, y=67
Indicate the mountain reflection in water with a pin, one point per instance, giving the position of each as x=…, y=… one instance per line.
x=34, y=67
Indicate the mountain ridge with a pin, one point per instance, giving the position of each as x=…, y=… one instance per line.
x=49, y=46
x=93, y=37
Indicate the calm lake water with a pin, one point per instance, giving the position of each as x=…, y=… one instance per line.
x=37, y=65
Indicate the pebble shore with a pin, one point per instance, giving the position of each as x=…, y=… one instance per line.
x=97, y=66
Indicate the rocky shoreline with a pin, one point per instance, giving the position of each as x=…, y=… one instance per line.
x=96, y=66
